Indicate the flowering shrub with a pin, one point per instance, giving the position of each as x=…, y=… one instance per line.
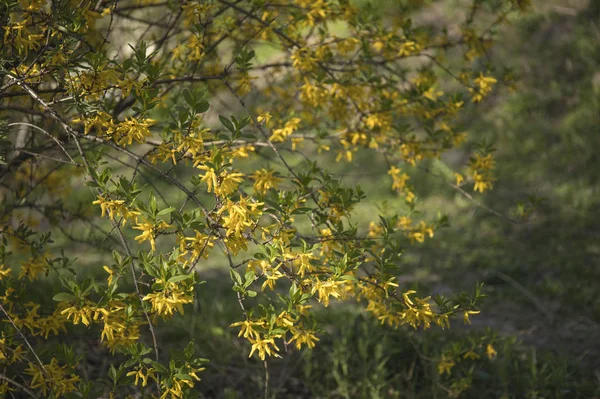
x=201, y=132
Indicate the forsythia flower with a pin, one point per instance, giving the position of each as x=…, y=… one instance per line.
x=326, y=289
x=223, y=184
x=266, y=117
x=431, y=94
x=407, y=48
x=142, y=373
x=459, y=179
x=198, y=244
x=239, y=216
x=398, y=179
x=247, y=328
x=4, y=272
x=420, y=232
x=305, y=337
x=490, y=351
x=265, y=346
x=33, y=268
x=52, y=377
x=86, y=314
x=132, y=130
x=171, y=298
x=148, y=232
x=466, y=314
x=445, y=365
x=484, y=86
x=481, y=168
x=265, y=180
x=111, y=274
x=290, y=127
x=471, y=354
x=116, y=208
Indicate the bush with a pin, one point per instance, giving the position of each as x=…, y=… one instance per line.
x=183, y=137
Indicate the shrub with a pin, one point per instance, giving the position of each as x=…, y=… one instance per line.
x=178, y=136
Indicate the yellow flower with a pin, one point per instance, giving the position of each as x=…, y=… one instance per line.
x=271, y=278
x=148, y=232
x=305, y=337
x=111, y=274
x=282, y=133
x=52, y=377
x=266, y=117
x=265, y=346
x=459, y=179
x=327, y=289
x=407, y=48
x=238, y=217
x=399, y=179
x=484, y=87
x=4, y=272
x=132, y=130
x=116, y=208
x=223, y=184
x=264, y=180
x=490, y=351
x=445, y=365
x=247, y=328
x=163, y=153
x=198, y=245
x=33, y=268
x=482, y=181
x=471, y=355
x=86, y=314
x=170, y=299
x=466, y=314
x=143, y=373
x=242, y=151
x=431, y=94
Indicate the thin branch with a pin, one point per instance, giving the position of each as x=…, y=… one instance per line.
x=47, y=134
x=20, y=386
x=24, y=338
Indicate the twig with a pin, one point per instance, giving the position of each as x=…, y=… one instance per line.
x=266, y=379
x=24, y=338
x=20, y=386
x=47, y=134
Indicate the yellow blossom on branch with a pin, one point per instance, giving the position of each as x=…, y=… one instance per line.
x=149, y=231
x=169, y=299
x=264, y=180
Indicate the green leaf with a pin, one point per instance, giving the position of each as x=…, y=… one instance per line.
x=188, y=96
x=301, y=211
x=235, y=276
x=227, y=123
x=202, y=107
x=181, y=277
x=165, y=211
x=63, y=297
x=183, y=377
x=189, y=349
